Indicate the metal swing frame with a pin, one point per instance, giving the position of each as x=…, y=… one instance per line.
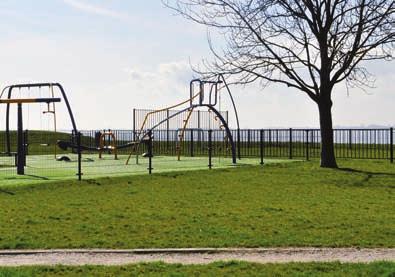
x=21, y=153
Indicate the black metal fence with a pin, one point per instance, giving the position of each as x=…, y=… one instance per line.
x=276, y=143
x=303, y=144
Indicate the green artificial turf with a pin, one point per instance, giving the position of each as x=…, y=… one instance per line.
x=216, y=269
x=294, y=204
x=45, y=169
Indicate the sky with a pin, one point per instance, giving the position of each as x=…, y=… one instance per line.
x=112, y=56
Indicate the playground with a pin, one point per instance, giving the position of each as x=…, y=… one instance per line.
x=137, y=143
x=49, y=154
x=182, y=178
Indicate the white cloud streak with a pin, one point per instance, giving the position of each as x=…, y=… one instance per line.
x=94, y=9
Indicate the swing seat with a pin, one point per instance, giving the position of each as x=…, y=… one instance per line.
x=63, y=159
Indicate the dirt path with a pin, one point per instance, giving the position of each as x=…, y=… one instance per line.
x=192, y=256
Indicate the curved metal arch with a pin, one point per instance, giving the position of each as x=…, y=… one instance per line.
x=62, y=91
x=221, y=76
x=228, y=132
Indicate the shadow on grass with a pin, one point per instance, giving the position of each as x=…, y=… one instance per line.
x=6, y=192
x=37, y=177
x=368, y=177
x=352, y=170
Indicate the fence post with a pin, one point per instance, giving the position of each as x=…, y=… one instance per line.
x=262, y=146
x=350, y=139
x=150, y=152
x=79, y=153
x=290, y=144
x=134, y=124
x=199, y=136
x=191, y=142
x=167, y=131
x=392, y=145
x=238, y=144
x=210, y=148
x=21, y=144
x=307, y=145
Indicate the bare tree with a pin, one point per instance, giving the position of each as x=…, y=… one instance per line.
x=309, y=45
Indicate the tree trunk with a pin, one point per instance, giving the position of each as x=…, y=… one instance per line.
x=328, y=158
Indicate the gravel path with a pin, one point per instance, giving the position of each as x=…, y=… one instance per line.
x=192, y=256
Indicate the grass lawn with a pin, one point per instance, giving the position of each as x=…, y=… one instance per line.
x=216, y=269
x=293, y=204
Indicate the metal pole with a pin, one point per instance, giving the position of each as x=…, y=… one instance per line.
x=238, y=144
x=134, y=124
x=21, y=146
x=199, y=138
x=307, y=146
x=210, y=148
x=150, y=152
x=290, y=144
x=392, y=145
x=262, y=146
x=79, y=153
x=167, y=130
x=191, y=142
x=7, y=128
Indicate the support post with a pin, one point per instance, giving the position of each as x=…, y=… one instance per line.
x=167, y=130
x=290, y=144
x=21, y=146
x=392, y=145
x=199, y=136
x=134, y=124
x=248, y=139
x=238, y=144
x=150, y=152
x=79, y=154
x=191, y=142
x=210, y=148
x=307, y=146
x=262, y=134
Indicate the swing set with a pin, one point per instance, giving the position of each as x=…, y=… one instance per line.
x=21, y=152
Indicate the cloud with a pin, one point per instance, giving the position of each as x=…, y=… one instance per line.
x=171, y=77
x=94, y=9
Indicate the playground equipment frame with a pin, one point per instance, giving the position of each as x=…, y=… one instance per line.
x=212, y=102
x=21, y=154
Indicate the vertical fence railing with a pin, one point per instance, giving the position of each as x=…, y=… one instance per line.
x=392, y=145
x=259, y=144
x=277, y=143
x=282, y=143
x=79, y=153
